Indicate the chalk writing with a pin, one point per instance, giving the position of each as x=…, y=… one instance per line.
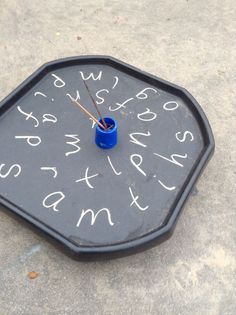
x=184, y=136
x=29, y=115
x=116, y=81
x=73, y=143
x=171, y=105
x=138, y=163
x=93, y=122
x=31, y=140
x=43, y=95
x=134, y=201
x=86, y=178
x=147, y=115
x=101, y=99
x=120, y=105
x=15, y=169
x=112, y=166
x=49, y=118
x=173, y=158
x=142, y=95
x=94, y=216
x=91, y=75
x=46, y=117
x=53, y=169
x=166, y=187
x=75, y=98
x=51, y=202
x=40, y=93
x=59, y=83
x=135, y=141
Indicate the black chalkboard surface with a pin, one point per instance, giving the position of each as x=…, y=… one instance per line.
x=97, y=201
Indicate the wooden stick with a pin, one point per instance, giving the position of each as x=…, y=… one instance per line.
x=95, y=105
x=108, y=128
x=87, y=112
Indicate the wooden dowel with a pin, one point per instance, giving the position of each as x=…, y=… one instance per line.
x=87, y=112
x=95, y=105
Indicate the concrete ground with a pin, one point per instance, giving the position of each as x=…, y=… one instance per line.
x=191, y=43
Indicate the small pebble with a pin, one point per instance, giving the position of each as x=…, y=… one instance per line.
x=33, y=274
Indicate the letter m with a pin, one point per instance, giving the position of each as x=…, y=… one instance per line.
x=94, y=216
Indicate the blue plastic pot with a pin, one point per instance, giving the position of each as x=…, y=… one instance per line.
x=106, y=139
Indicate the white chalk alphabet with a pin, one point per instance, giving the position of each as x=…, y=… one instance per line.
x=53, y=203
x=58, y=82
x=94, y=216
x=31, y=140
x=16, y=168
x=173, y=158
x=73, y=143
x=134, y=201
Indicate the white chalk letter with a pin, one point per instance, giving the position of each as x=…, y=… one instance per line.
x=91, y=75
x=134, y=201
x=149, y=115
x=76, y=140
x=59, y=83
x=77, y=96
x=122, y=105
x=135, y=141
x=173, y=158
x=49, y=117
x=86, y=178
x=138, y=163
x=172, y=105
x=13, y=167
x=166, y=187
x=94, y=216
x=114, y=170
x=28, y=115
x=53, y=204
x=142, y=96
x=40, y=93
x=93, y=122
x=53, y=169
x=116, y=81
x=31, y=140
x=101, y=99
x=184, y=136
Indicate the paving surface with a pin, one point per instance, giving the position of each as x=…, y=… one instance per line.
x=190, y=43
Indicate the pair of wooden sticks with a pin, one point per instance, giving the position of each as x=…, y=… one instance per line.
x=102, y=125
